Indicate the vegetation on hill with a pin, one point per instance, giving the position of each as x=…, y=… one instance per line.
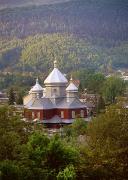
x=37, y=53
x=78, y=34
x=18, y=3
x=91, y=19
x=81, y=33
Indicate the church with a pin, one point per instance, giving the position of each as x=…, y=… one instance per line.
x=56, y=104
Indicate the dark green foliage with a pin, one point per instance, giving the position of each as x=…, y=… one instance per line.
x=19, y=98
x=90, y=80
x=113, y=87
x=79, y=126
x=75, y=130
x=25, y=154
x=108, y=143
x=91, y=19
x=37, y=53
x=98, y=43
x=11, y=96
x=97, y=150
x=100, y=106
x=9, y=170
x=21, y=83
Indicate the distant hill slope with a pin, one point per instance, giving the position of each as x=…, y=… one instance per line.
x=79, y=33
x=89, y=18
x=19, y=3
x=37, y=53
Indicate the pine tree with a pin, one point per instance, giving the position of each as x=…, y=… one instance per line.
x=11, y=96
x=19, y=99
x=100, y=104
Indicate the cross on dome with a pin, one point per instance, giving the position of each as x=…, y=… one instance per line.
x=55, y=76
x=37, y=80
x=55, y=64
x=71, y=79
x=36, y=87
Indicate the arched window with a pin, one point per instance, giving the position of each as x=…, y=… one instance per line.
x=73, y=114
x=82, y=113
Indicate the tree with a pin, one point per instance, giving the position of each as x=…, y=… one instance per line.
x=100, y=106
x=9, y=170
x=19, y=99
x=108, y=144
x=76, y=129
x=27, y=154
x=113, y=87
x=45, y=157
x=95, y=83
x=90, y=80
x=11, y=96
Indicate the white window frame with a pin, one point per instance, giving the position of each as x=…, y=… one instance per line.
x=38, y=115
x=73, y=114
x=62, y=114
x=82, y=113
x=54, y=91
x=33, y=115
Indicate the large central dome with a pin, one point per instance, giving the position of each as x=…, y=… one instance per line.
x=55, y=76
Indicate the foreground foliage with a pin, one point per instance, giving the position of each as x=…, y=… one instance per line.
x=97, y=150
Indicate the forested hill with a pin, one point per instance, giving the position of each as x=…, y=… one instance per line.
x=79, y=33
x=89, y=18
x=19, y=3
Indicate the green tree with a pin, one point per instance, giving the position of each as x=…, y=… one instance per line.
x=100, y=106
x=113, y=87
x=19, y=98
x=95, y=82
x=11, y=96
x=108, y=144
x=9, y=170
x=90, y=80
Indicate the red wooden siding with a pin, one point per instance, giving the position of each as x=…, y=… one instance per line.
x=48, y=114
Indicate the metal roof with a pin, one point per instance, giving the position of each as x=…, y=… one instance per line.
x=64, y=103
x=71, y=103
x=55, y=77
x=41, y=103
x=36, y=87
x=72, y=87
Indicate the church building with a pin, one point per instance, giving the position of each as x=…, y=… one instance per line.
x=56, y=104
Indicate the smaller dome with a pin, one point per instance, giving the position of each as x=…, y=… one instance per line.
x=72, y=88
x=37, y=87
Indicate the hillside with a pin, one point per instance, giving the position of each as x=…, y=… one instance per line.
x=91, y=19
x=19, y=3
x=71, y=31
x=37, y=53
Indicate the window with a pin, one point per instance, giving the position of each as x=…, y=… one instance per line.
x=82, y=113
x=62, y=114
x=33, y=115
x=73, y=114
x=54, y=92
x=38, y=115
